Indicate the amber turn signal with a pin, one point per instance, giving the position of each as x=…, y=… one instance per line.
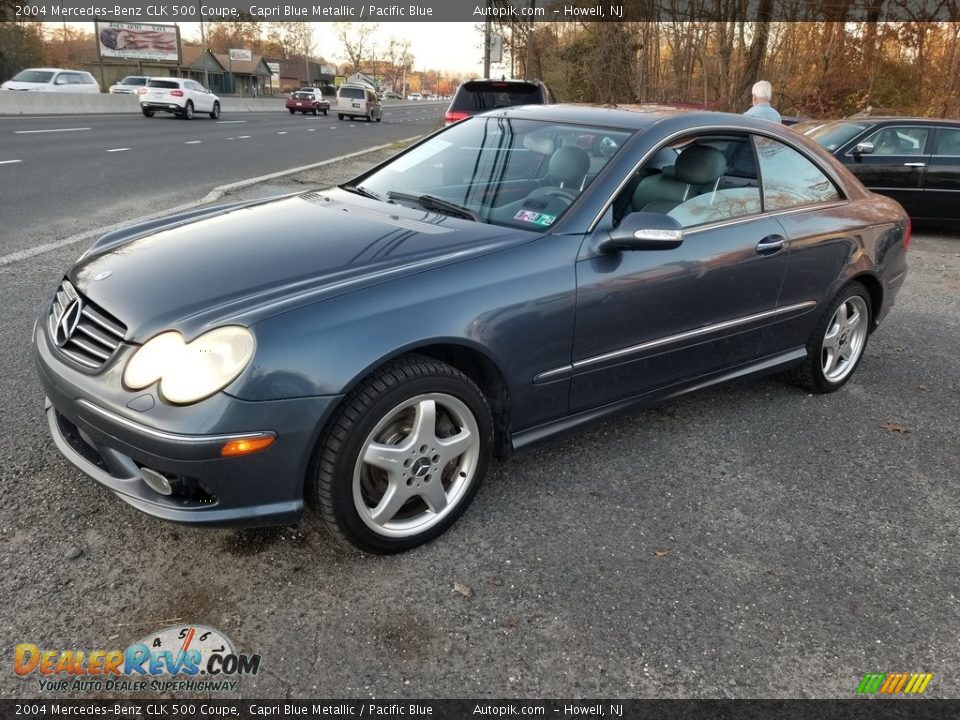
x=245, y=446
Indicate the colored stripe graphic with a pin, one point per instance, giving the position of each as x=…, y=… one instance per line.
x=894, y=683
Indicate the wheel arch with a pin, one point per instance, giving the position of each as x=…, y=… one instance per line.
x=875, y=289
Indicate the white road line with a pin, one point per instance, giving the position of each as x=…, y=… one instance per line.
x=281, y=132
x=230, y=122
x=32, y=132
x=9, y=162
x=243, y=137
x=193, y=142
x=118, y=150
x=210, y=197
x=312, y=130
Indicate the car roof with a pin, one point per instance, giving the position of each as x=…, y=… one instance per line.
x=897, y=118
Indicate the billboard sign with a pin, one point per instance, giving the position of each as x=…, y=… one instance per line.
x=137, y=41
x=240, y=54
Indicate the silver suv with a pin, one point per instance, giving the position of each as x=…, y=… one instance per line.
x=180, y=96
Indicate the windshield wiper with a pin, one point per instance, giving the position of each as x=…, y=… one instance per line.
x=431, y=202
x=358, y=190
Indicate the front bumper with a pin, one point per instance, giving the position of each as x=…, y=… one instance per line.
x=93, y=425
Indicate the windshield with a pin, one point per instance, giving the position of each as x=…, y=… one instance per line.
x=518, y=173
x=836, y=134
x=33, y=76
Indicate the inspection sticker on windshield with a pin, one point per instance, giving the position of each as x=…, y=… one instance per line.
x=534, y=217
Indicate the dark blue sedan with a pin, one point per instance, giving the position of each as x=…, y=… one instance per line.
x=512, y=276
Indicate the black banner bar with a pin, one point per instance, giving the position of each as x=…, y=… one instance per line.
x=331, y=709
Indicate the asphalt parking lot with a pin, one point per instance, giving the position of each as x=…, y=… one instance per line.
x=748, y=541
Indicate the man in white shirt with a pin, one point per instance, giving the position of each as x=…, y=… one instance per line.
x=762, y=94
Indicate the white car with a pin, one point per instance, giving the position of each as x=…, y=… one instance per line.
x=53, y=80
x=180, y=96
x=414, y=96
x=130, y=85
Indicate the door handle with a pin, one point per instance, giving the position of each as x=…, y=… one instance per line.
x=771, y=245
x=914, y=164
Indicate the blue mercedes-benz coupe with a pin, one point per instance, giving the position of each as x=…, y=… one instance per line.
x=510, y=277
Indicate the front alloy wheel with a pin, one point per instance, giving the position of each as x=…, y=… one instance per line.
x=404, y=456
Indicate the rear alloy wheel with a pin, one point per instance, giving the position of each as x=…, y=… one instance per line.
x=188, y=111
x=403, y=457
x=215, y=113
x=147, y=112
x=292, y=111
x=838, y=341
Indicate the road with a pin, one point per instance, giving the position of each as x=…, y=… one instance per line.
x=63, y=175
x=748, y=541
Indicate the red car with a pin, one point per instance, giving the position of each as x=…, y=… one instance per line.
x=307, y=100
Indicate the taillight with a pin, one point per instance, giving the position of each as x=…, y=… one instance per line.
x=141, y=91
x=452, y=117
x=906, y=235
x=177, y=93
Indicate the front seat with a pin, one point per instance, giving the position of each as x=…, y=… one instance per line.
x=696, y=167
x=568, y=168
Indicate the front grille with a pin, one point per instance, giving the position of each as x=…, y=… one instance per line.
x=90, y=339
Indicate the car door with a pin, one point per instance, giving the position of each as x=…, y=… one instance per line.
x=941, y=190
x=202, y=100
x=821, y=236
x=896, y=166
x=647, y=319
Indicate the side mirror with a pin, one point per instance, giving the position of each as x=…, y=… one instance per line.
x=643, y=231
x=864, y=148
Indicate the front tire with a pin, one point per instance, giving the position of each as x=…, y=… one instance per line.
x=403, y=456
x=838, y=342
x=215, y=113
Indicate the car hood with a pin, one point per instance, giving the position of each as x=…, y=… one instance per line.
x=249, y=261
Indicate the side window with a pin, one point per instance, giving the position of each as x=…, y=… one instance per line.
x=898, y=141
x=697, y=181
x=948, y=142
x=789, y=179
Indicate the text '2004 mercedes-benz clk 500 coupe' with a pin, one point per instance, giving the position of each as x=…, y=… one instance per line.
x=509, y=277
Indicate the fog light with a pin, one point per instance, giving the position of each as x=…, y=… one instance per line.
x=156, y=481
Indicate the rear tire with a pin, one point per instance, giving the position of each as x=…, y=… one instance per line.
x=339, y=116
x=837, y=343
x=402, y=457
x=146, y=112
x=292, y=111
x=215, y=113
x=187, y=113
x=314, y=111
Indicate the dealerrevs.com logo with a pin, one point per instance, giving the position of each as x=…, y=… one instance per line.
x=202, y=657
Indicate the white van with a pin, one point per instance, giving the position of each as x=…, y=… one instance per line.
x=358, y=101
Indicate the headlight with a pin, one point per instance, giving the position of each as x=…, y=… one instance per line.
x=190, y=371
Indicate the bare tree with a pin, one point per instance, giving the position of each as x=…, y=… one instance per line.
x=356, y=39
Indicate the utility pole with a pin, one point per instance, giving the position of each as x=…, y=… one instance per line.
x=203, y=39
x=486, y=44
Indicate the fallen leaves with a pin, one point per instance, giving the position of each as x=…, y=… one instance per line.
x=464, y=590
x=660, y=552
x=893, y=427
